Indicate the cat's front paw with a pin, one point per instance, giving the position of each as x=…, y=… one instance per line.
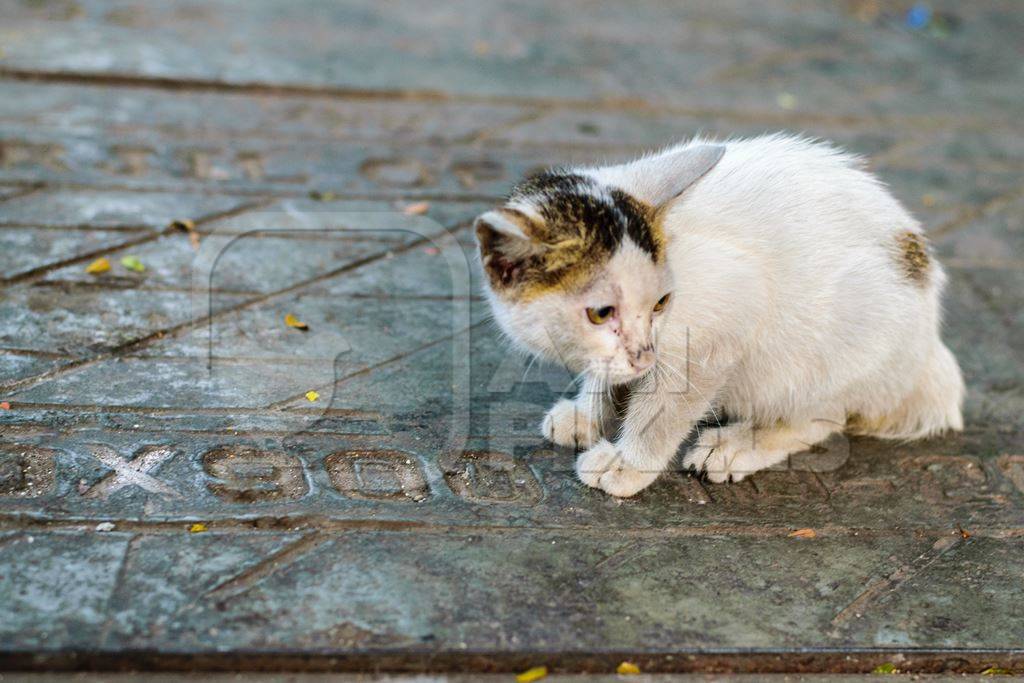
x=595, y=461
x=603, y=467
x=724, y=454
x=625, y=481
x=567, y=425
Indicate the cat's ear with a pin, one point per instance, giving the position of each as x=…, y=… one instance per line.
x=506, y=239
x=670, y=174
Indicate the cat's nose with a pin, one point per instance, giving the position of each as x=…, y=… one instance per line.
x=643, y=359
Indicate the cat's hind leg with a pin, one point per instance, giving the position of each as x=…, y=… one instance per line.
x=932, y=407
x=737, y=450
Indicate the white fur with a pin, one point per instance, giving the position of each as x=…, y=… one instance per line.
x=790, y=310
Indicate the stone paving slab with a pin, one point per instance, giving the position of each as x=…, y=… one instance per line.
x=407, y=516
x=749, y=53
x=462, y=678
x=463, y=168
x=208, y=116
x=289, y=169
x=27, y=250
x=80, y=323
x=125, y=210
x=8, y=192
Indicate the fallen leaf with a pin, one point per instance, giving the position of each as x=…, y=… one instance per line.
x=100, y=265
x=417, y=209
x=786, y=100
x=996, y=671
x=4, y=405
x=312, y=396
x=184, y=224
x=803, y=533
x=291, y=321
x=964, y=533
x=534, y=674
x=626, y=668
x=322, y=196
x=887, y=668
x=132, y=263
x=197, y=528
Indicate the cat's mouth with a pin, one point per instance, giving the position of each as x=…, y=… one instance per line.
x=615, y=374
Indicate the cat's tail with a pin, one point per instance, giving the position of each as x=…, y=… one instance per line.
x=935, y=405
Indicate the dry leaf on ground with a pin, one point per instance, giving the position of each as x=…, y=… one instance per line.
x=293, y=322
x=417, y=209
x=534, y=674
x=100, y=265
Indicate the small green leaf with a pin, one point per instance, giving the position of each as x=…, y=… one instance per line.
x=996, y=671
x=887, y=668
x=132, y=263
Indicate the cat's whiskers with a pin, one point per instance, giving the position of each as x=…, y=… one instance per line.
x=596, y=407
x=711, y=406
x=599, y=384
x=529, y=366
x=687, y=360
x=590, y=413
x=691, y=385
x=673, y=356
x=661, y=368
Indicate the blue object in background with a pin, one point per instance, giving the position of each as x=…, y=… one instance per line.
x=918, y=16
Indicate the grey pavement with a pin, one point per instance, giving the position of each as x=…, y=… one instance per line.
x=174, y=497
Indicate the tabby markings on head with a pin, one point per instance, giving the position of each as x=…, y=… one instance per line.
x=582, y=226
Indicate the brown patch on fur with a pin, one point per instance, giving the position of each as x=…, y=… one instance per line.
x=579, y=230
x=554, y=257
x=860, y=425
x=914, y=258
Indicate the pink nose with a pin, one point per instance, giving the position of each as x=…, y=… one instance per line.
x=643, y=359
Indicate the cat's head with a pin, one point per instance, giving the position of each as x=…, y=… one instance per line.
x=576, y=267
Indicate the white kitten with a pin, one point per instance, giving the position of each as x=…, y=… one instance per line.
x=769, y=278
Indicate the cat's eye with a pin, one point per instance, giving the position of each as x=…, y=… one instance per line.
x=600, y=315
x=662, y=302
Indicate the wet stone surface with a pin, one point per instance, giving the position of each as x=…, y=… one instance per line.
x=186, y=481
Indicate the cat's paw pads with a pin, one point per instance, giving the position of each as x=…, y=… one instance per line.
x=724, y=456
x=602, y=467
x=567, y=425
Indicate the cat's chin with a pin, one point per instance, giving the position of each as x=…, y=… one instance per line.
x=616, y=379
